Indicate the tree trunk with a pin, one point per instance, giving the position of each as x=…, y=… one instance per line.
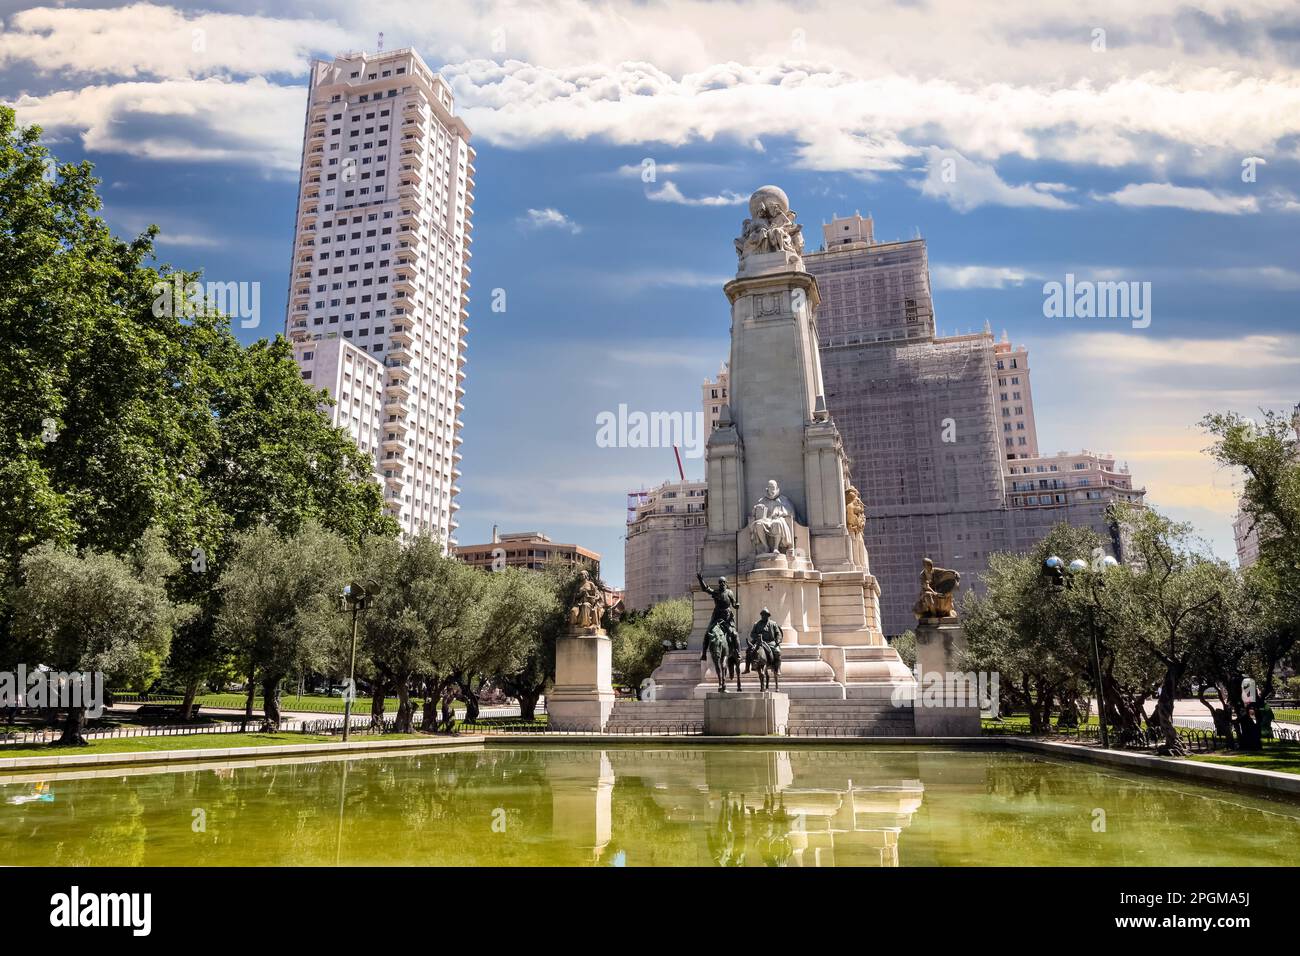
x=403, y=724
x=430, y=722
x=1222, y=718
x=378, y=691
x=470, y=696
x=1040, y=708
x=528, y=704
x=1172, y=747
x=1123, y=712
x=448, y=712
x=187, y=705
x=248, y=704
x=72, y=729
x=270, y=705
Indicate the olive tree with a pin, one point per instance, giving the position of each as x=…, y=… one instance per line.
x=97, y=612
x=279, y=608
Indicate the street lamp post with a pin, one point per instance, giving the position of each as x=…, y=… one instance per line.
x=354, y=599
x=1053, y=567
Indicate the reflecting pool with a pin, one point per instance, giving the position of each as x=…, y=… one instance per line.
x=634, y=805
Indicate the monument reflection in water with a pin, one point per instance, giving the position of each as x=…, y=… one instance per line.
x=759, y=807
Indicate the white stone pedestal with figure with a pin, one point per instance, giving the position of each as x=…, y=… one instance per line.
x=947, y=700
x=784, y=522
x=583, y=696
x=750, y=712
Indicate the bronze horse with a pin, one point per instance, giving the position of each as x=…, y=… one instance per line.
x=725, y=659
x=763, y=659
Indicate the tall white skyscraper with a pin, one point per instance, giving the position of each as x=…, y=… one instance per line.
x=378, y=295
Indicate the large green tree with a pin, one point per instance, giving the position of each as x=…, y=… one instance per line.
x=641, y=640
x=426, y=600
x=497, y=637
x=123, y=409
x=1039, y=634
x=97, y=612
x=280, y=605
x=1174, y=601
x=1267, y=453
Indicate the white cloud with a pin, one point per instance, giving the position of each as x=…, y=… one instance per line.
x=151, y=40
x=205, y=120
x=635, y=281
x=1268, y=277
x=978, y=277
x=678, y=72
x=187, y=239
x=967, y=185
x=1246, y=352
x=669, y=192
x=548, y=218
x=1142, y=397
x=1193, y=198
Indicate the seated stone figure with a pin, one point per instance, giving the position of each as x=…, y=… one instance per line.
x=588, y=606
x=769, y=535
x=938, y=588
x=772, y=525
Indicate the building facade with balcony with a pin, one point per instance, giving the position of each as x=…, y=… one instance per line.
x=378, y=294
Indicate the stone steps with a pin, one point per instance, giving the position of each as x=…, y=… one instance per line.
x=630, y=716
x=810, y=717
x=852, y=718
x=845, y=708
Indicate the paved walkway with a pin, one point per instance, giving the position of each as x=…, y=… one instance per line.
x=1191, y=713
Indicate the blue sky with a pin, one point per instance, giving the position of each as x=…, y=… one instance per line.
x=1120, y=162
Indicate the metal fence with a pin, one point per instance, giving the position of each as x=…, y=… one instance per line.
x=1194, y=739
x=328, y=705
x=48, y=735
x=841, y=730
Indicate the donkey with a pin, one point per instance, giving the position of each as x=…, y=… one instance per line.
x=725, y=659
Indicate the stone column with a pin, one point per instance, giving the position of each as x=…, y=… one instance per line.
x=947, y=703
x=583, y=696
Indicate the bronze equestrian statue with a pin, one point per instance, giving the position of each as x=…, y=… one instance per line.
x=764, y=650
x=721, y=641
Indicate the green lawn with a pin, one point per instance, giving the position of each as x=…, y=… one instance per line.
x=117, y=745
x=1288, y=716
x=1281, y=756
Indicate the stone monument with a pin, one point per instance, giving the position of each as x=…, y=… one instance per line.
x=583, y=695
x=947, y=699
x=782, y=520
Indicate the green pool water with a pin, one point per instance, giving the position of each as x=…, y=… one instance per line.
x=639, y=806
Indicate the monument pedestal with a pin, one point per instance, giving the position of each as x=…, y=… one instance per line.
x=779, y=502
x=831, y=646
x=749, y=712
x=947, y=699
x=583, y=696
